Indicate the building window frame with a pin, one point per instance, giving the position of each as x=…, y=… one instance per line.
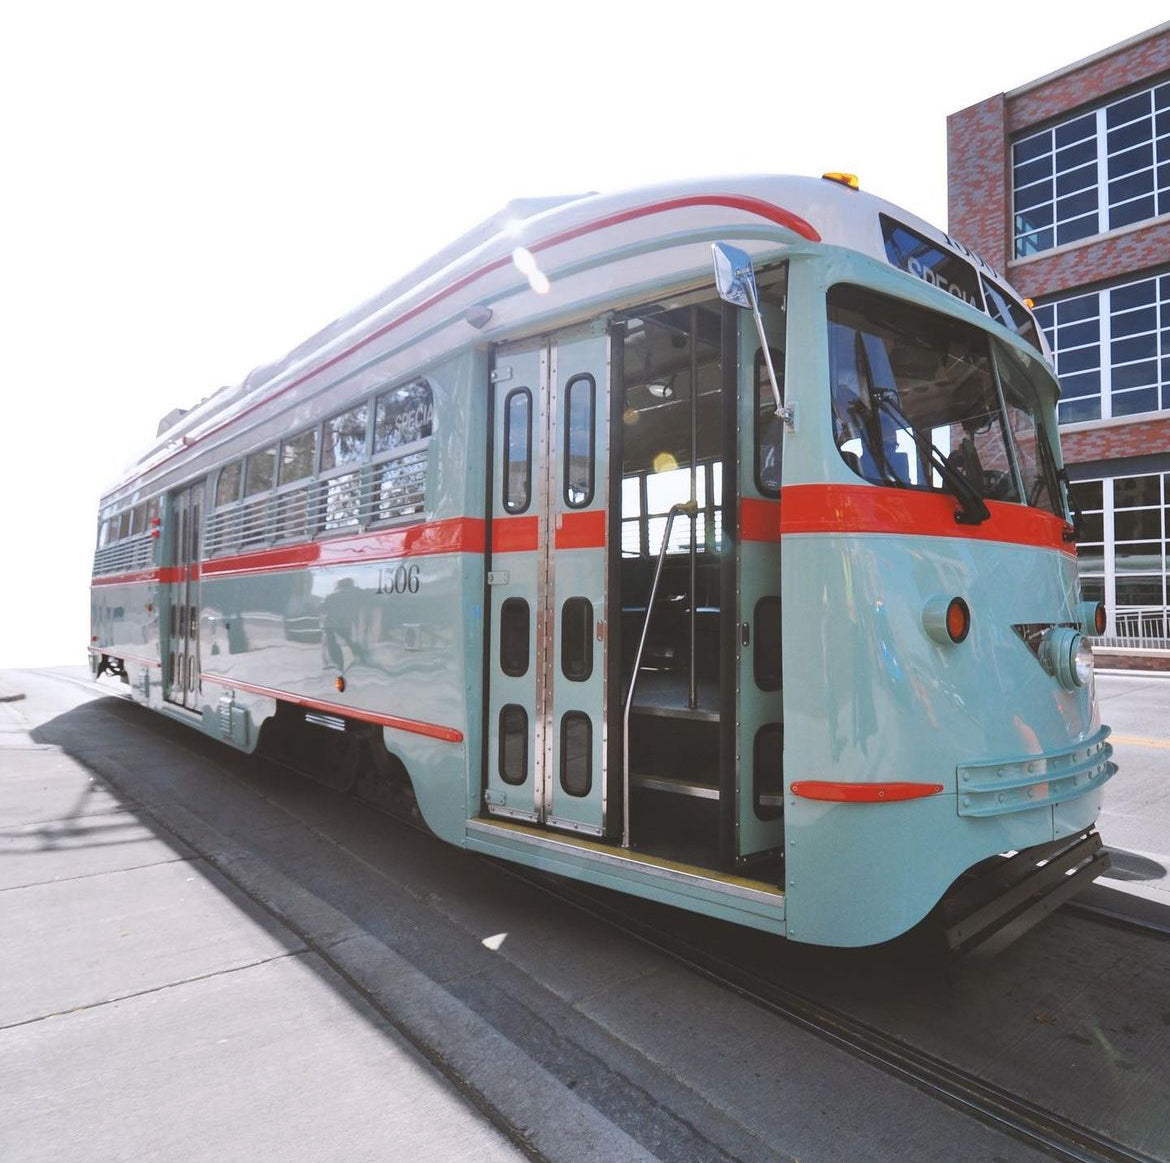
x=1115, y=341
x=1137, y=506
x=1094, y=172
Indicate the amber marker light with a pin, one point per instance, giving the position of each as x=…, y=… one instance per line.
x=339, y=682
x=843, y=179
x=946, y=620
x=1093, y=618
x=958, y=620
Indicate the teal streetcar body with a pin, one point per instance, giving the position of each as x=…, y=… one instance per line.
x=770, y=614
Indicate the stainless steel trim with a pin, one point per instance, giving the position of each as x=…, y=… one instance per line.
x=773, y=897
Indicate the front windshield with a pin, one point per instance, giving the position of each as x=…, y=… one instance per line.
x=925, y=401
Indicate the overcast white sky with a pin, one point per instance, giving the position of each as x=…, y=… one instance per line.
x=189, y=191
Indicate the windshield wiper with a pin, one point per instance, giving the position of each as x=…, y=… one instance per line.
x=972, y=510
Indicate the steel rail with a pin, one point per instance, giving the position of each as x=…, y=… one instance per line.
x=1120, y=919
x=988, y=1103
x=960, y=1089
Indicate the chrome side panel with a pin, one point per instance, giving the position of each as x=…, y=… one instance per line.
x=343, y=634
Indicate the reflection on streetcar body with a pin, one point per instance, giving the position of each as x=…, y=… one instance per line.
x=773, y=620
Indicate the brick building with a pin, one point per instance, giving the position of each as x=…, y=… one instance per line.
x=1064, y=185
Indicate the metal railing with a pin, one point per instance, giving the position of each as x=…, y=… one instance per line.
x=390, y=488
x=1137, y=629
x=132, y=555
x=690, y=508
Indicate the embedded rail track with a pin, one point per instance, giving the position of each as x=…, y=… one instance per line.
x=990, y=1104
x=993, y=1105
x=1113, y=917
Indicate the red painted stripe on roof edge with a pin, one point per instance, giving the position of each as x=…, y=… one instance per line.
x=414, y=726
x=750, y=205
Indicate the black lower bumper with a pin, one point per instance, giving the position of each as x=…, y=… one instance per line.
x=1002, y=899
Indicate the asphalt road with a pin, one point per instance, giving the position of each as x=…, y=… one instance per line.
x=1136, y=816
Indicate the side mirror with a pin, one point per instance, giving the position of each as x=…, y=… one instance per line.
x=735, y=278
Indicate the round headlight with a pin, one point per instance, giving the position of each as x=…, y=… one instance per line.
x=1061, y=655
x=1083, y=664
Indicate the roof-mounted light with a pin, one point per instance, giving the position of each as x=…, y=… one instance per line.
x=843, y=179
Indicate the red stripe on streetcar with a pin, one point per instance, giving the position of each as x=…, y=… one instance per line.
x=759, y=520
x=748, y=204
x=515, y=534
x=415, y=726
x=872, y=509
x=863, y=793
x=125, y=579
x=457, y=535
x=757, y=206
x=581, y=530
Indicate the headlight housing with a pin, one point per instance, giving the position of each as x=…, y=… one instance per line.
x=1066, y=655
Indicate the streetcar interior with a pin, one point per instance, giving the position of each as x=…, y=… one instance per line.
x=673, y=448
x=672, y=452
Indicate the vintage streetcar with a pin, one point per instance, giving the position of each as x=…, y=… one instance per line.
x=707, y=542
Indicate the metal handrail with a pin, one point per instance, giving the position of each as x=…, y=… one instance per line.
x=690, y=508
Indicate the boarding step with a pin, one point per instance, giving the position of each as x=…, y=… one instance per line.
x=676, y=785
x=666, y=694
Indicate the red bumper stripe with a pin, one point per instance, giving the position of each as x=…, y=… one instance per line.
x=863, y=793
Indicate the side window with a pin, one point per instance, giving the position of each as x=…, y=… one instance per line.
x=343, y=444
x=259, y=477
x=227, y=487
x=297, y=455
x=580, y=393
x=223, y=527
x=260, y=473
x=403, y=416
x=403, y=423
x=517, y=450
x=344, y=438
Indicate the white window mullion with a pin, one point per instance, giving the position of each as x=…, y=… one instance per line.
x=1107, y=550
x=1106, y=355
x=1102, y=174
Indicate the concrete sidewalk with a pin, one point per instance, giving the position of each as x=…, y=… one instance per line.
x=218, y=961
x=151, y=1011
